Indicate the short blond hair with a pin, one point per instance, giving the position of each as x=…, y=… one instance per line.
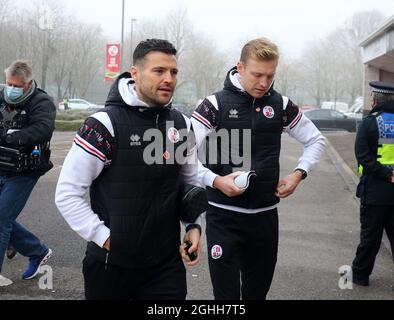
x=261, y=49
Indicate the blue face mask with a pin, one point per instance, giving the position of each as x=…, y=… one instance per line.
x=14, y=93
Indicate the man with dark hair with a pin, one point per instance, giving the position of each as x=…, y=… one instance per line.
x=375, y=155
x=150, y=45
x=242, y=219
x=27, y=121
x=132, y=225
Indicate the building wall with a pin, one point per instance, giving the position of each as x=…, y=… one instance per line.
x=370, y=74
x=386, y=76
x=378, y=58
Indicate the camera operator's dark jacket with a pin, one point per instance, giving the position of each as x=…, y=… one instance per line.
x=35, y=120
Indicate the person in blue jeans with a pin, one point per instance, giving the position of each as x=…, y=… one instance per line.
x=27, y=120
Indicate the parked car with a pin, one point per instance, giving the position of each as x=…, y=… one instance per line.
x=332, y=105
x=78, y=104
x=331, y=120
x=305, y=108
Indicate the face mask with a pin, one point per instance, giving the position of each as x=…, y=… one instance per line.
x=14, y=93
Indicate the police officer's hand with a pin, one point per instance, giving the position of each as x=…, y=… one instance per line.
x=288, y=185
x=227, y=186
x=193, y=236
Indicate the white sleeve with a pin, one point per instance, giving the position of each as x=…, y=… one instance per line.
x=205, y=176
x=313, y=141
x=83, y=164
x=189, y=171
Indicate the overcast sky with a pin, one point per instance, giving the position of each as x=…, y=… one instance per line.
x=291, y=23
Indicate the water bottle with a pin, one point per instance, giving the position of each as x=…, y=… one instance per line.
x=35, y=156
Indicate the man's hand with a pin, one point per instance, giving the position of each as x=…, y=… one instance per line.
x=227, y=186
x=194, y=237
x=107, y=245
x=288, y=185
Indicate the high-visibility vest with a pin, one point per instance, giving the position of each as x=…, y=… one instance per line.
x=385, y=154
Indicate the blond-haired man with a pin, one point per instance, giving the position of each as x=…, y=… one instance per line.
x=242, y=220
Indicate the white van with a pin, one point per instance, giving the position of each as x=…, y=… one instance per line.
x=357, y=109
x=332, y=105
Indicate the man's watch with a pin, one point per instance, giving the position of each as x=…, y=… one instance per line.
x=303, y=172
x=193, y=226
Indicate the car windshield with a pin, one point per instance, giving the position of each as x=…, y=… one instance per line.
x=79, y=101
x=318, y=114
x=356, y=107
x=338, y=115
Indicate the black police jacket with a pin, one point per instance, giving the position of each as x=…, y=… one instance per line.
x=374, y=187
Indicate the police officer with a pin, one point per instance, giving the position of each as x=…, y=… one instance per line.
x=27, y=120
x=375, y=155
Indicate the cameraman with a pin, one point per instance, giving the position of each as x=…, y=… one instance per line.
x=27, y=121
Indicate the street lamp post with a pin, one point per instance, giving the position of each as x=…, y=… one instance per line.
x=46, y=24
x=131, y=38
x=122, y=39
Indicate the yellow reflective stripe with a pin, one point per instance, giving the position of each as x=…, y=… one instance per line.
x=386, y=153
x=360, y=169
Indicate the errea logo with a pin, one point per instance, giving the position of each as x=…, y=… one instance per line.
x=234, y=114
x=135, y=140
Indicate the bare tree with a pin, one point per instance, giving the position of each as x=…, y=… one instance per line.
x=64, y=60
x=178, y=29
x=4, y=9
x=365, y=22
x=89, y=43
x=287, y=76
x=204, y=66
x=331, y=67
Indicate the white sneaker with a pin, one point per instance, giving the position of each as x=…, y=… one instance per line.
x=4, y=282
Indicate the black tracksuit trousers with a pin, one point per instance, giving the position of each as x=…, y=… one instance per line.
x=242, y=247
x=166, y=281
